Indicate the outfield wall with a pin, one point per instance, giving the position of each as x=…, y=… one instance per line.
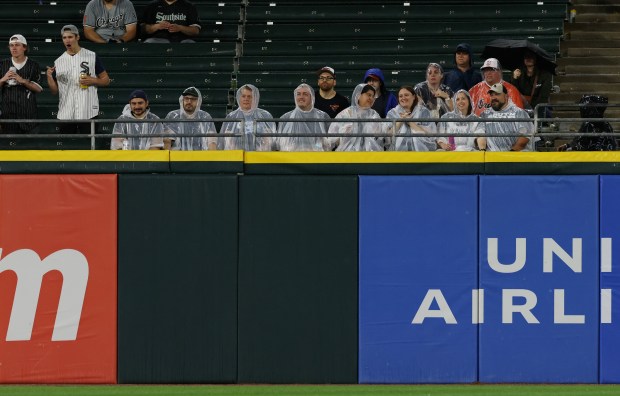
x=322, y=269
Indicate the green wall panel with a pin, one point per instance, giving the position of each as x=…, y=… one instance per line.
x=298, y=279
x=177, y=279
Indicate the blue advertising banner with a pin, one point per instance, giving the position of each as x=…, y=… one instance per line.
x=610, y=280
x=539, y=279
x=418, y=266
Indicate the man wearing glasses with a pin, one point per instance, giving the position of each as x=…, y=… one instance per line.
x=327, y=99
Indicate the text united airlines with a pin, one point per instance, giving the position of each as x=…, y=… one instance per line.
x=521, y=302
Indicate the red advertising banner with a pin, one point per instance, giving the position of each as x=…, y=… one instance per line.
x=58, y=238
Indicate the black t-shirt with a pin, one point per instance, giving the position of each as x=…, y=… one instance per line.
x=180, y=12
x=17, y=101
x=331, y=106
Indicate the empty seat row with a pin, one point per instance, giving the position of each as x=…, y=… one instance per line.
x=286, y=12
x=360, y=31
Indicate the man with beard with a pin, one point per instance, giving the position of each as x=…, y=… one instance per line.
x=75, y=76
x=110, y=21
x=19, y=84
x=190, y=101
x=138, y=109
x=327, y=99
x=503, y=108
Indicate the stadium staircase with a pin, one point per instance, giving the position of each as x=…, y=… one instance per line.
x=590, y=58
x=277, y=45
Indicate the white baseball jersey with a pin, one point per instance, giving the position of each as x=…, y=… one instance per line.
x=76, y=103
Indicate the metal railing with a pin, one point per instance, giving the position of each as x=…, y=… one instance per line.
x=95, y=133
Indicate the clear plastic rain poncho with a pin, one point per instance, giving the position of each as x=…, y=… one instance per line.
x=361, y=143
x=246, y=139
x=410, y=143
x=302, y=143
x=142, y=129
x=203, y=125
x=462, y=127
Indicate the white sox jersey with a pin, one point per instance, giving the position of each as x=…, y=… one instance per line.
x=76, y=103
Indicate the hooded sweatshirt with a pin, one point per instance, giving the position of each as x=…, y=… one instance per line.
x=203, y=125
x=456, y=79
x=387, y=100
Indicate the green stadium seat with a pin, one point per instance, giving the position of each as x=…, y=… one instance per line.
x=227, y=49
x=413, y=12
x=111, y=96
x=340, y=62
x=410, y=46
x=156, y=64
x=59, y=12
x=178, y=80
x=318, y=31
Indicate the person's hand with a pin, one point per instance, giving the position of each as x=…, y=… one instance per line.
x=174, y=28
x=163, y=25
x=87, y=80
x=406, y=114
x=441, y=94
x=49, y=71
x=445, y=146
x=516, y=74
x=9, y=74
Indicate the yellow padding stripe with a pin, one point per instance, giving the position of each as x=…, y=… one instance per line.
x=207, y=156
x=592, y=156
x=85, y=156
x=358, y=158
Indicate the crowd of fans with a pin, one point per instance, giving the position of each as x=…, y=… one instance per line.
x=462, y=109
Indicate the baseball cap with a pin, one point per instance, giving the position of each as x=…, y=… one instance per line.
x=463, y=47
x=326, y=69
x=138, y=93
x=491, y=63
x=18, y=38
x=71, y=28
x=191, y=91
x=497, y=88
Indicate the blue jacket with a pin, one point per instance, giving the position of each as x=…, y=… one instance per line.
x=387, y=101
x=456, y=79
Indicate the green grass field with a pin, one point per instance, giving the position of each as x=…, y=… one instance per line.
x=309, y=390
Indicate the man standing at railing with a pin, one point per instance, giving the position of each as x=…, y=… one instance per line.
x=503, y=108
x=138, y=109
x=20, y=84
x=75, y=77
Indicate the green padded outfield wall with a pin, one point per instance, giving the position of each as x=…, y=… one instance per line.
x=177, y=278
x=298, y=279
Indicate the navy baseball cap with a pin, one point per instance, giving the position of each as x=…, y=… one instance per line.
x=138, y=93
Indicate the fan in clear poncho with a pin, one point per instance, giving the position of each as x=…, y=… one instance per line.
x=463, y=110
x=245, y=138
x=138, y=109
x=190, y=102
x=304, y=110
x=410, y=107
x=361, y=107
